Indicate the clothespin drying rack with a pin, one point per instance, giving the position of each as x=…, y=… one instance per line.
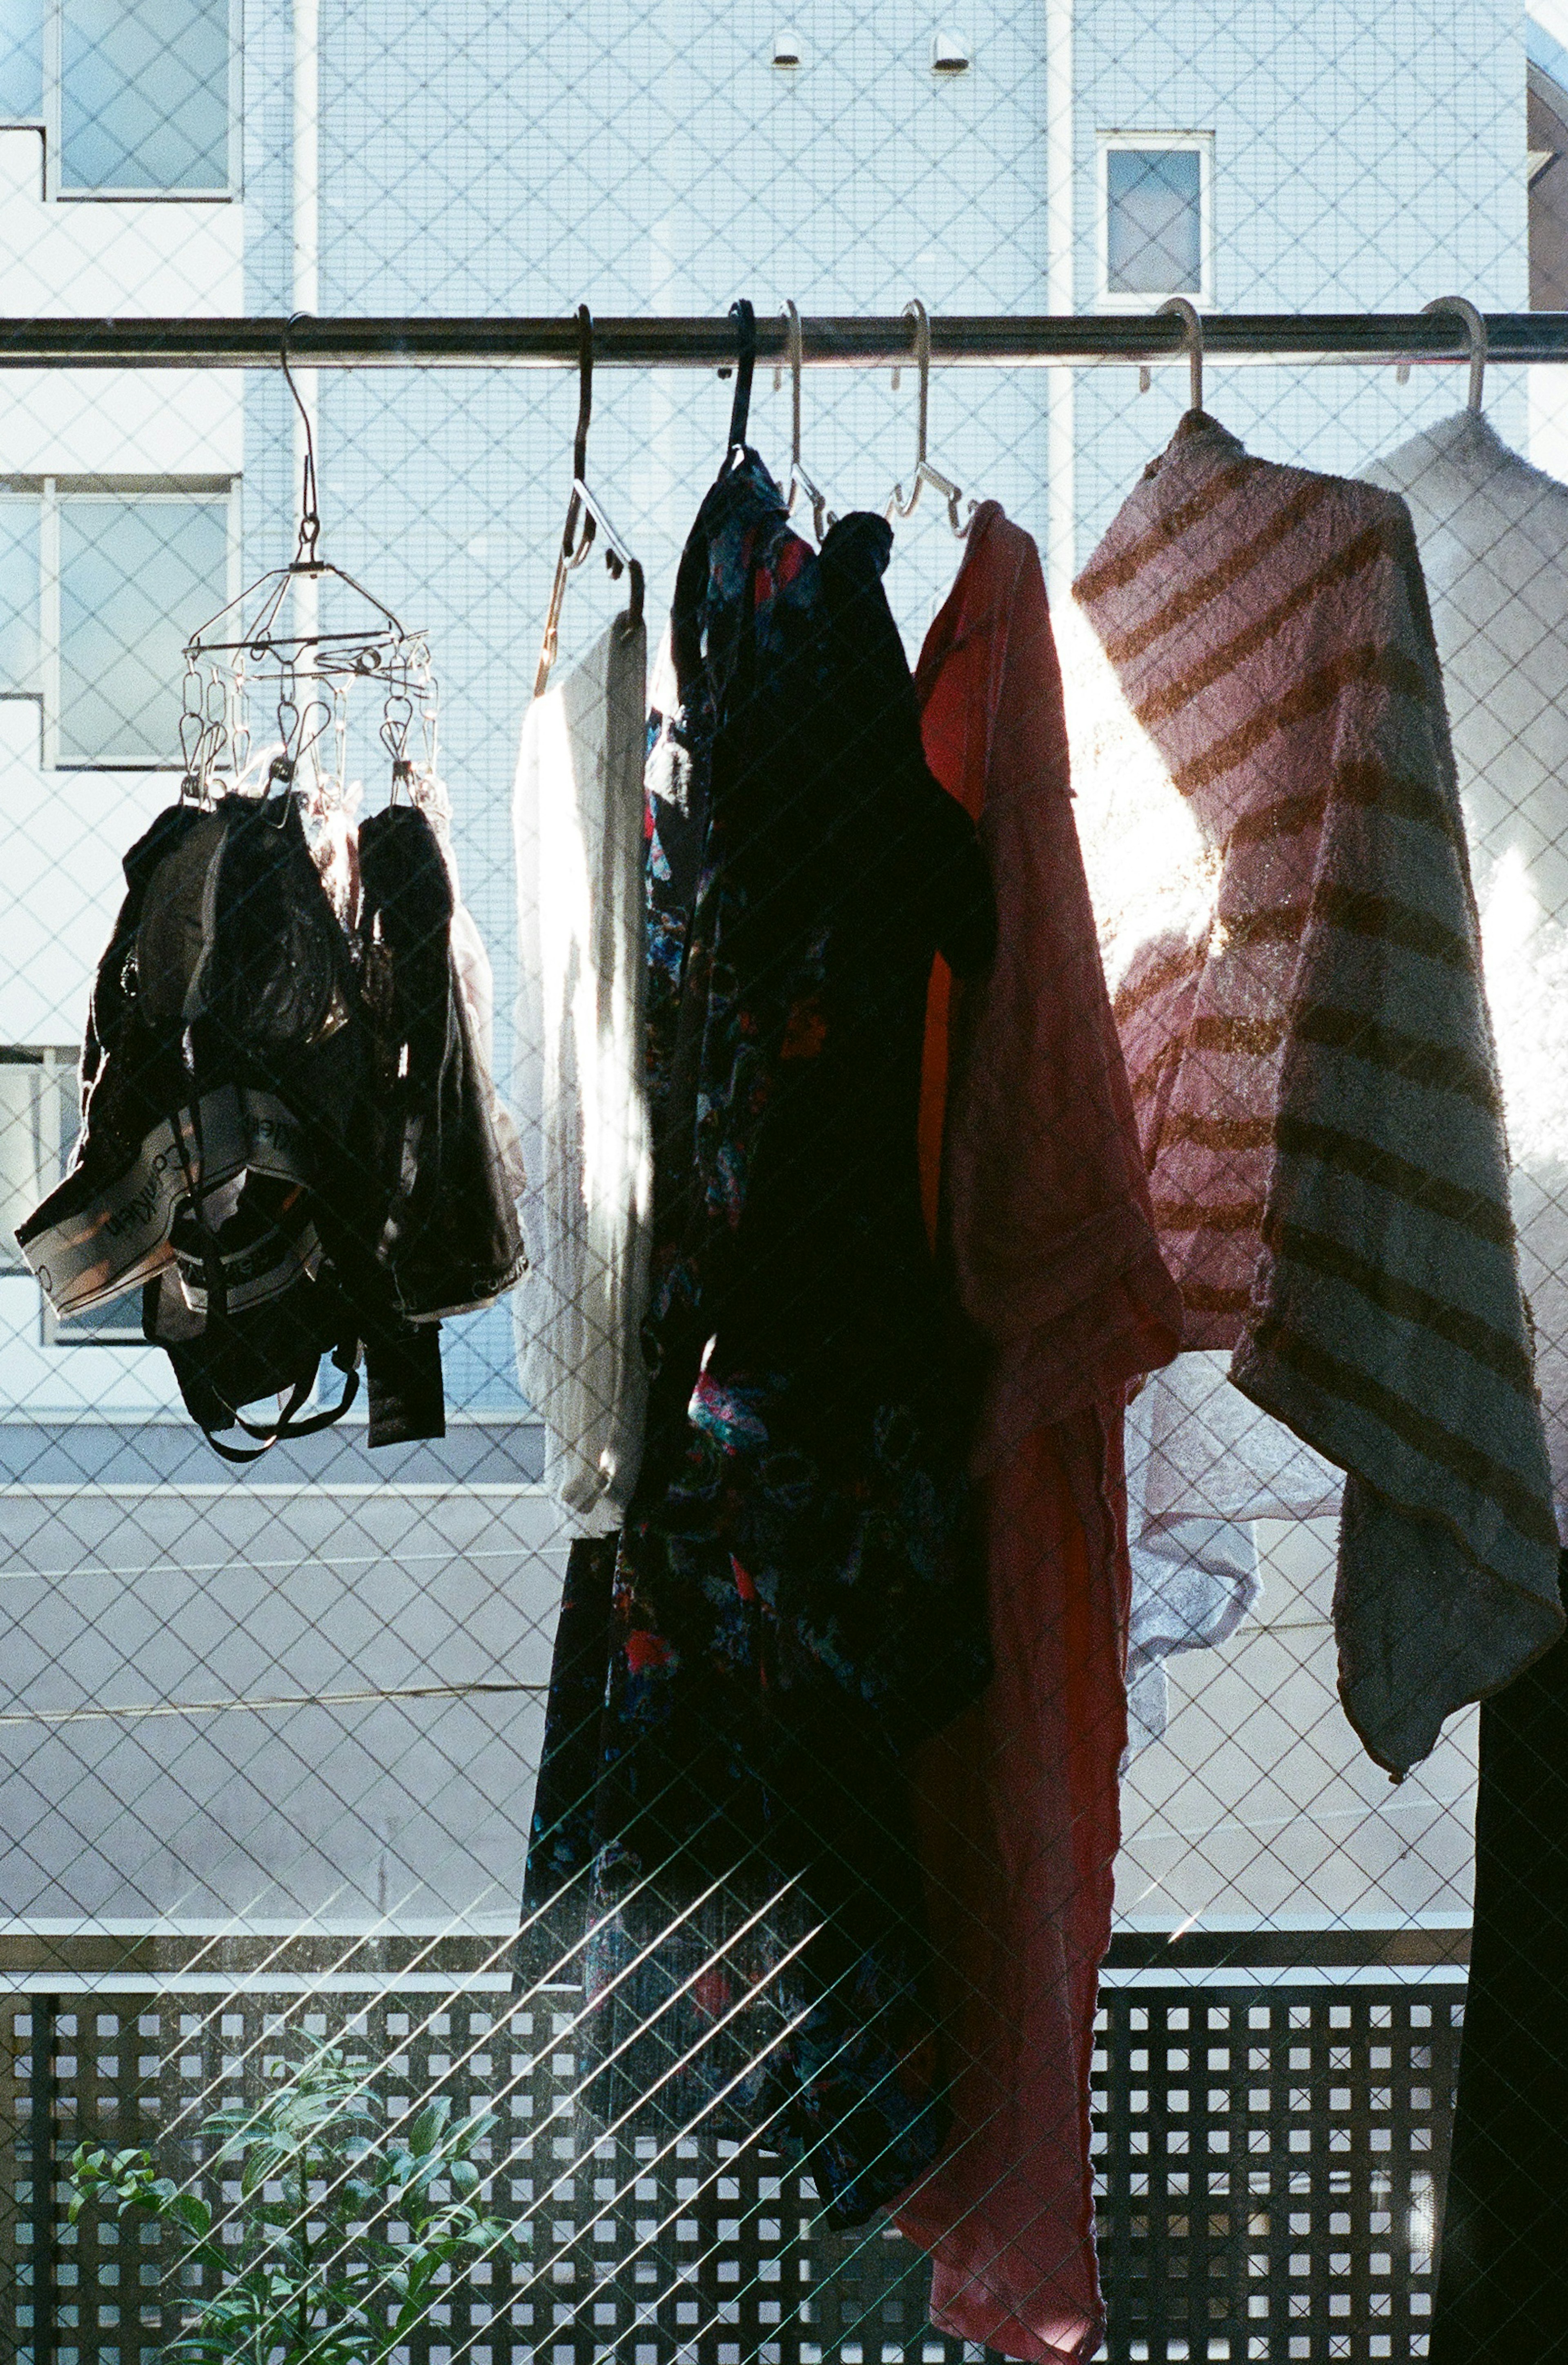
x=241, y=656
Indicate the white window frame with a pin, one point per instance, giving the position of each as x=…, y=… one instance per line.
x=49, y=492
x=1200, y=144
x=49, y=124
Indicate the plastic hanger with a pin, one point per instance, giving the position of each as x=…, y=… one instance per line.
x=745, y=318
x=1187, y=313
x=1476, y=325
x=800, y=482
x=925, y=474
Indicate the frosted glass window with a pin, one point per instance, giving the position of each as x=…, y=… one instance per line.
x=144, y=95
x=1154, y=227
x=20, y=592
x=136, y=580
x=21, y=61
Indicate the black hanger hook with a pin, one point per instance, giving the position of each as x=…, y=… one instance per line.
x=745, y=318
x=305, y=553
x=585, y=391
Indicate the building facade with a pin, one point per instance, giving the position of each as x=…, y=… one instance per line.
x=464, y=156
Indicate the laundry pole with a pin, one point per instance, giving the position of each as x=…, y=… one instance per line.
x=1057, y=341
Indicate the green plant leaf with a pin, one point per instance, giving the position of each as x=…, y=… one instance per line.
x=265, y=2163
x=425, y=2133
x=192, y=2211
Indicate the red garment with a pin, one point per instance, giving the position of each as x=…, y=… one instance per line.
x=1044, y=1215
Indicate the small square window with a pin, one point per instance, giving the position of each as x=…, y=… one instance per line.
x=19, y=608
x=30, y=1102
x=1155, y=225
x=144, y=95
x=21, y=61
x=39, y=1120
x=136, y=97
x=99, y=592
x=137, y=577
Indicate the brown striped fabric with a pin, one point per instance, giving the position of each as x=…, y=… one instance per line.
x=1301, y=1006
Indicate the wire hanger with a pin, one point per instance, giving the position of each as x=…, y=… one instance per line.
x=1187, y=313
x=925, y=474
x=309, y=672
x=800, y=482
x=1475, y=324
x=745, y=318
x=585, y=520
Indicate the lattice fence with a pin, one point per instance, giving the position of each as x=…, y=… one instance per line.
x=1270, y=2160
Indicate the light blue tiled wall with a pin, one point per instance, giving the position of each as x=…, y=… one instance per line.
x=1364, y=159
x=643, y=155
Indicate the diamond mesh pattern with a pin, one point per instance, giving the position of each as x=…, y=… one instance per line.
x=269, y=1739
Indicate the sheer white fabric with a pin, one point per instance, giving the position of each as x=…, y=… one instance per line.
x=1202, y=1464
x=578, y=822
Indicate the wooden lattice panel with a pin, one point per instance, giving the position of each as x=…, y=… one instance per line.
x=1272, y=2163
x=1269, y=2163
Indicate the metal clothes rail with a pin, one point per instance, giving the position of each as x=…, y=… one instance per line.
x=979, y=340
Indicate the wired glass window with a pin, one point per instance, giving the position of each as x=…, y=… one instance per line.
x=135, y=97
x=1154, y=217
x=99, y=591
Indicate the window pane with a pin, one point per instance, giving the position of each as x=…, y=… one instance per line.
x=136, y=578
x=20, y=592
x=28, y=1163
x=144, y=95
x=21, y=59
x=1154, y=227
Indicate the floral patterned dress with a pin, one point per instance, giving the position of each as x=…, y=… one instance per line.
x=796, y=1600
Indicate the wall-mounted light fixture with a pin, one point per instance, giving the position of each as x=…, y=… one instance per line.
x=949, y=54
x=787, y=53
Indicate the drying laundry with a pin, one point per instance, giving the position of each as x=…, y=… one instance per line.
x=1045, y=1221
x=578, y=822
x=1296, y=963
x=1202, y=1464
x=1493, y=534
x=796, y=1599
x=289, y=1132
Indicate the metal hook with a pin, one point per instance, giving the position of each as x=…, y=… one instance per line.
x=1187, y=313
x=925, y=474
x=1475, y=326
x=305, y=560
x=744, y=317
x=586, y=518
x=916, y=310
x=800, y=482
x=585, y=390
x=579, y=518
